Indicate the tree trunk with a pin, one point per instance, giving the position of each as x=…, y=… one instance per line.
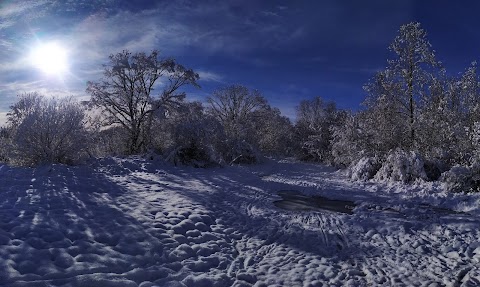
x=411, y=104
x=412, y=121
x=134, y=144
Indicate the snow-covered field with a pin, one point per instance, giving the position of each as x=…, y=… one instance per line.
x=136, y=222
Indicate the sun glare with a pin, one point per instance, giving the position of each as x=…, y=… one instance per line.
x=50, y=58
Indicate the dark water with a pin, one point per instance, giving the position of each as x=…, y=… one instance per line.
x=296, y=201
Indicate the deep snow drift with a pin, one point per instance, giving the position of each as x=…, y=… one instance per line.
x=136, y=222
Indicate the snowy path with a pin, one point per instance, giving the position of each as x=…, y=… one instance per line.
x=141, y=223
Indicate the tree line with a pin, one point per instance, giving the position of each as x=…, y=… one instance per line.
x=417, y=122
x=130, y=112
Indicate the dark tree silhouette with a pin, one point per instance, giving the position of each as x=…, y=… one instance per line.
x=126, y=93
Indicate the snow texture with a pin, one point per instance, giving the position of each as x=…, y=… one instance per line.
x=402, y=166
x=137, y=222
x=364, y=169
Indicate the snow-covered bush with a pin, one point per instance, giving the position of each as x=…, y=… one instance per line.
x=46, y=130
x=462, y=179
x=402, y=166
x=364, y=169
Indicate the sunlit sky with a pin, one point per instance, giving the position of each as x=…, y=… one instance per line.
x=289, y=50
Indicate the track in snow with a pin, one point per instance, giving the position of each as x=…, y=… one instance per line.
x=132, y=222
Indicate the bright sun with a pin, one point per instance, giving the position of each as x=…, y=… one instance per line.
x=50, y=58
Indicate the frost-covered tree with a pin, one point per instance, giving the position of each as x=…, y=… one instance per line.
x=407, y=77
x=314, y=128
x=383, y=116
x=439, y=125
x=418, y=122
x=468, y=90
x=447, y=117
x=352, y=140
x=475, y=140
x=274, y=133
x=127, y=93
x=46, y=130
x=466, y=113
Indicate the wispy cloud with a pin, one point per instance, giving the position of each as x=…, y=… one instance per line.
x=9, y=91
x=100, y=29
x=22, y=8
x=362, y=70
x=3, y=118
x=270, y=13
x=210, y=76
x=217, y=27
x=19, y=86
x=5, y=44
x=242, y=31
x=12, y=66
x=171, y=26
x=5, y=23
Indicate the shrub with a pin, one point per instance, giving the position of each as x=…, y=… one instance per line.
x=402, y=166
x=364, y=169
x=46, y=130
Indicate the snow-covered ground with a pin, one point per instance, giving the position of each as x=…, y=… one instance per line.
x=136, y=222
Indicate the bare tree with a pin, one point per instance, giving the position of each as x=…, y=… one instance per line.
x=233, y=107
x=126, y=93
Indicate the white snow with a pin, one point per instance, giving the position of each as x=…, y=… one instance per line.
x=139, y=222
x=402, y=166
x=364, y=169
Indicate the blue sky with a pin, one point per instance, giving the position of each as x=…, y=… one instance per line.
x=289, y=50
